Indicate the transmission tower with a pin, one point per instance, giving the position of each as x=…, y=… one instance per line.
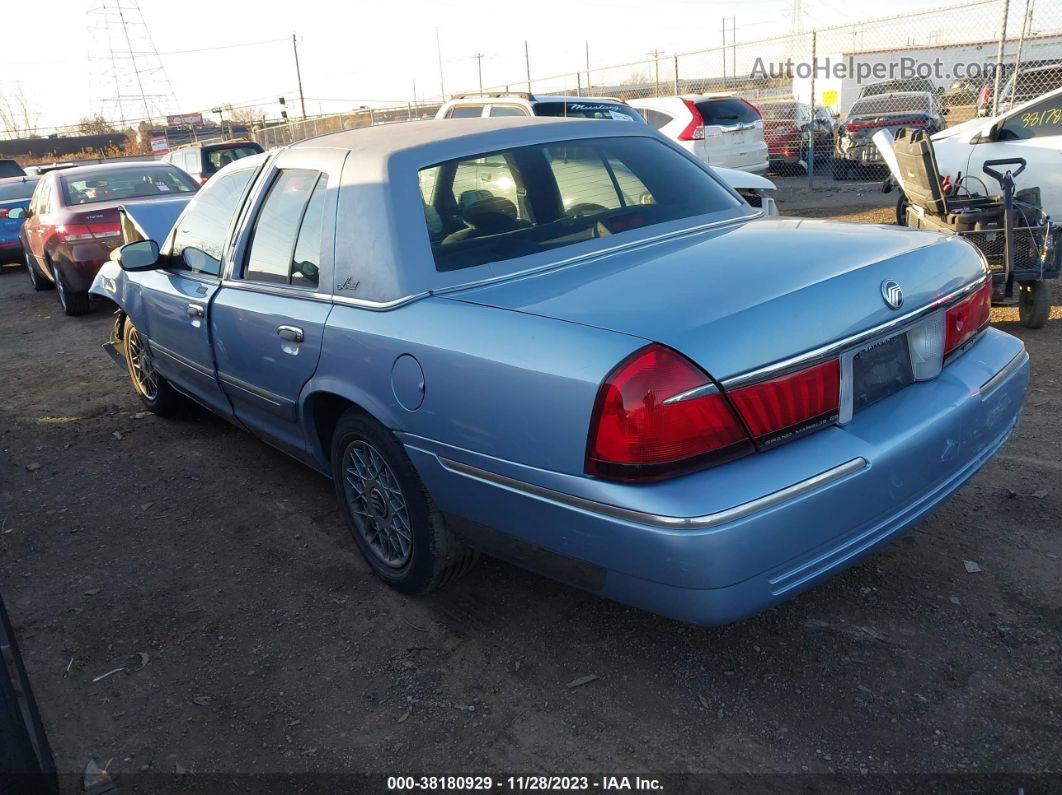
x=128, y=80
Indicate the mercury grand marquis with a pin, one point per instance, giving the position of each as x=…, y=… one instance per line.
x=569, y=344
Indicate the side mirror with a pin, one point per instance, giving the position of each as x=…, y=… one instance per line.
x=143, y=255
x=17, y=213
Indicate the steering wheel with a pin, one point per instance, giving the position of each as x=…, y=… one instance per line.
x=583, y=209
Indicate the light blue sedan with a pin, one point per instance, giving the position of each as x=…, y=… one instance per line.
x=569, y=345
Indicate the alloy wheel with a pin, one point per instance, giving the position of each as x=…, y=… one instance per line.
x=377, y=504
x=145, y=377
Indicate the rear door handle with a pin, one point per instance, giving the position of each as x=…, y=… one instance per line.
x=195, y=310
x=290, y=333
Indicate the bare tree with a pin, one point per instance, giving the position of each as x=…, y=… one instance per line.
x=17, y=117
x=95, y=125
x=249, y=115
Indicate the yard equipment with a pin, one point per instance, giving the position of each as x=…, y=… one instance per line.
x=1019, y=241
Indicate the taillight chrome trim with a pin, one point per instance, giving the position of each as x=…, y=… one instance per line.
x=663, y=522
x=834, y=349
x=692, y=394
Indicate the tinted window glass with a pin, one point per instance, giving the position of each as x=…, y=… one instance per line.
x=727, y=111
x=10, y=168
x=306, y=262
x=465, y=112
x=586, y=109
x=1038, y=121
x=108, y=185
x=1032, y=84
x=200, y=237
x=538, y=198
x=218, y=158
x=275, y=231
x=507, y=110
x=18, y=190
x=657, y=119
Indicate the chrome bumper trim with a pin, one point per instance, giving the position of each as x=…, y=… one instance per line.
x=1019, y=359
x=655, y=520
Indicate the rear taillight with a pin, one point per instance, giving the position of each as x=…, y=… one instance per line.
x=777, y=409
x=967, y=317
x=3, y=212
x=695, y=129
x=657, y=414
x=79, y=233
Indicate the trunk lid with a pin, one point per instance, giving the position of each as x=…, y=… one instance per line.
x=744, y=296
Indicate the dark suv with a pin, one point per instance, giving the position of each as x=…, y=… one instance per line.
x=202, y=161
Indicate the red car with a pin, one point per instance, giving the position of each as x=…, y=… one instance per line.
x=73, y=224
x=789, y=126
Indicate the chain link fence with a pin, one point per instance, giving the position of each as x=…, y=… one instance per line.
x=822, y=93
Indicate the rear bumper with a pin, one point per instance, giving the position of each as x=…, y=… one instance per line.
x=722, y=544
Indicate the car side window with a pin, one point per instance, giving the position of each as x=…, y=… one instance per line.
x=1038, y=121
x=199, y=240
x=280, y=253
x=507, y=110
x=465, y=112
x=657, y=119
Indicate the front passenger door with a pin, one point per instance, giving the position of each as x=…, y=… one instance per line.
x=177, y=300
x=269, y=317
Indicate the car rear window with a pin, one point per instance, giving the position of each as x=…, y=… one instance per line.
x=727, y=111
x=588, y=110
x=219, y=158
x=10, y=168
x=502, y=205
x=116, y=184
x=784, y=111
x=891, y=103
x=17, y=190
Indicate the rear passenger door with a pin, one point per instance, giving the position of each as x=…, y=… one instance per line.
x=268, y=319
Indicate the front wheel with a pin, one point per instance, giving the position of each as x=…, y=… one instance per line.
x=1034, y=304
x=901, y=209
x=153, y=390
x=394, y=522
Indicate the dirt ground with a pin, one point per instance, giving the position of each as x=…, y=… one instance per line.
x=255, y=640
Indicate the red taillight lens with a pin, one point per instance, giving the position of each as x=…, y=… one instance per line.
x=695, y=129
x=775, y=410
x=636, y=434
x=79, y=233
x=967, y=317
x=3, y=212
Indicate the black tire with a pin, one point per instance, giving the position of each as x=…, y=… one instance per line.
x=36, y=277
x=901, y=209
x=1034, y=304
x=73, y=304
x=153, y=390
x=378, y=501
x=842, y=169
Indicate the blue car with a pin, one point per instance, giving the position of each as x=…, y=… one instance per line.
x=15, y=195
x=568, y=344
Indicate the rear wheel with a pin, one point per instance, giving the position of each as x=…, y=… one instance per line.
x=73, y=303
x=153, y=390
x=1034, y=304
x=396, y=525
x=36, y=279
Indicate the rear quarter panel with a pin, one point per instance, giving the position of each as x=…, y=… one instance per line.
x=496, y=382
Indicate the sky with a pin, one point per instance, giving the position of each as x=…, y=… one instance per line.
x=352, y=53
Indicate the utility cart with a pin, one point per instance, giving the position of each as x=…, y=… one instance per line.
x=1019, y=241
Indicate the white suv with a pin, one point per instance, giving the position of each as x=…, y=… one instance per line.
x=464, y=106
x=720, y=129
